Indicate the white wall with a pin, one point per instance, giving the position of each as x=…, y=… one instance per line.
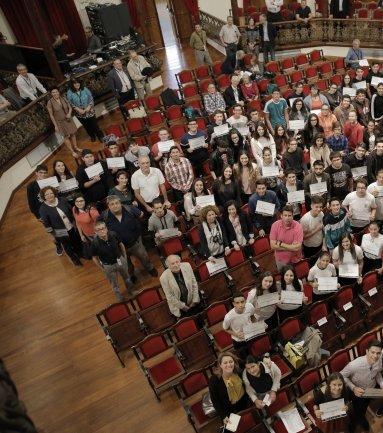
x=6, y=30
x=81, y=4
x=217, y=8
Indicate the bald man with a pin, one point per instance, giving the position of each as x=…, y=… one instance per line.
x=180, y=287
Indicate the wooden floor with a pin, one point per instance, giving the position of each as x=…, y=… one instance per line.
x=65, y=370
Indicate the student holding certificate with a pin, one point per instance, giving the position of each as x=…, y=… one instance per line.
x=160, y=150
x=319, y=150
x=375, y=160
x=322, y=268
x=372, y=246
x=373, y=74
x=335, y=389
x=261, y=139
x=238, y=227
x=353, y=130
x=123, y=190
x=312, y=225
x=196, y=155
x=316, y=176
x=362, y=107
x=246, y=173
x=270, y=169
x=161, y=219
x=336, y=224
x=62, y=173
x=347, y=253
x=291, y=185
x=192, y=209
x=226, y=188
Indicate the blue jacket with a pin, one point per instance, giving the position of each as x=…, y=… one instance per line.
x=80, y=99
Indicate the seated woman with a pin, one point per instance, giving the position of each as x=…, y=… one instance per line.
x=85, y=215
x=267, y=285
x=249, y=88
x=261, y=139
x=238, y=227
x=246, y=173
x=322, y=268
x=289, y=282
x=226, y=188
x=192, y=209
x=122, y=190
x=346, y=83
x=227, y=391
x=261, y=377
x=212, y=233
x=268, y=160
x=347, y=253
x=335, y=389
x=319, y=151
x=237, y=143
x=312, y=128
x=372, y=246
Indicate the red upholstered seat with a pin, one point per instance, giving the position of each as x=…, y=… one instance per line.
x=362, y=344
x=281, y=363
x=261, y=245
x=193, y=383
x=235, y=258
x=223, y=339
x=338, y=360
x=148, y=297
x=116, y=312
x=308, y=381
x=185, y=328
x=165, y=371
x=202, y=72
x=281, y=401
x=279, y=427
x=198, y=413
x=185, y=76
x=153, y=102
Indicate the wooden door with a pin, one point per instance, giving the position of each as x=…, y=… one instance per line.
x=150, y=24
x=182, y=19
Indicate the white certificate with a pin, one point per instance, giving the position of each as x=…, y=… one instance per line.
x=376, y=80
x=94, y=170
x=359, y=171
x=296, y=125
x=351, y=91
x=316, y=112
x=205, y=200
x=232, y=424
x=251, y=330
x=118, y=162
x=360, y=85
x=217, y=266
x=373, y=393
x=332, y=409
x=349, y=270
x=164, y=146
x=68, y=185
x=265, y=208
x=363, y=62
x=291, y=297
x=244, y=131
x=292, y=420
x=197, y=143
x=267, y=400
x=267, y=299
x=168, y=233
x=322, y=321
x=318, y=188
x=270, y=170
x=372, y=248
x=296, y=196
x=49, y=181
x=327, y=284
x=221, y=130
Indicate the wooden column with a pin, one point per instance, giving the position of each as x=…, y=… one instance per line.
x=183, y=20
x=234, y=11
x=37, y=20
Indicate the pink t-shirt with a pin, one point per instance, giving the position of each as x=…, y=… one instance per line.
x=290, y=235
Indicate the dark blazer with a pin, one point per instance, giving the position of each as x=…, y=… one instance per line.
x=220, y=398
x=203, y=248
x=282, y=192
x=246, y=228
x=228, y=95
x=114, y=81
x=334, y=7
x=52, y=220
x=271, y=30
x=34, y=201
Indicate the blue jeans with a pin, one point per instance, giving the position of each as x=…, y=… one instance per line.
x=268, y=48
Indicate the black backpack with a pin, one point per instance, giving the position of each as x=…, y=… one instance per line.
x=169, y=98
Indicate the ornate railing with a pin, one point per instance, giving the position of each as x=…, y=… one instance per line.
x=31, y=124
x=211, y=24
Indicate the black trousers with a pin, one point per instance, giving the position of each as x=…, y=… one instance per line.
x=371, y=264
x=71, y=244
x=178, y=195
x=360, y=406
x=91, y=127
x=122, y=99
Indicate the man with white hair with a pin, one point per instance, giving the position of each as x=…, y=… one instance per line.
x=354, y=54
x=28, y=85
x=148, y=183
x=180, y=287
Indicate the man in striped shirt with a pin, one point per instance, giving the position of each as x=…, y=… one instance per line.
x=179, y=173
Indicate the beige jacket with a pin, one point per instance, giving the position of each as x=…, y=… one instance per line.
x=172, y=291
x=135, y=69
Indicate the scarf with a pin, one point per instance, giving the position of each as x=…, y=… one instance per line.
x=214, y=238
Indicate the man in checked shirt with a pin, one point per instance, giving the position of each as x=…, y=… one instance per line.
x=361, y=373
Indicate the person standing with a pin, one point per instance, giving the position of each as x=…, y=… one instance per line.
x=274, y=10
x=339, y=9
x=137, y=66
x=196, y=155
x=336, y=224
x=198, y=42
x=376, y=188
x=375, y=160
x=121, y=85
x=286, y=238
x=229, y=36
x=60, y=113
x=340, y=176
x=93, y=41
x=316, y=175
x=82, y=102
x=372, y=246
x=180, y=287
x=179, y=173
x=28, y=85
x=267, y=33
x=109, y=254
x=353, y=130
x=276, y=111
x=312, y=225
x=361, y=373
x=125, y=222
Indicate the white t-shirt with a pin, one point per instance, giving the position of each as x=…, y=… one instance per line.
x=347, y=257
x=360, y=207
x=257, y=146
x=265, y=312
x=237, y=123
x=289, y=288
x=148, y=186
x=235, y=321
x=378, y=200
x=370, y=245
x=315, y=273
x=308, y=223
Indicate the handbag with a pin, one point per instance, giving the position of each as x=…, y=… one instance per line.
x=207, y=406
x=295, y=353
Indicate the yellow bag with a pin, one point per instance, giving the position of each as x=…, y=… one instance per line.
x=295, y=354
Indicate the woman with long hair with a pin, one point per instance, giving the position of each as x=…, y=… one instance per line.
x=60, y=112
x=261, y=139
x=319, y=150
x=322, y=268
x=371, y=133
x=85, y=215
x=227, y=391
x=299, y=111
x=62, y=173
x=122, y=189
x=236, y=143
x=281, y=139
x=347, y=253
x=239, y=230
x=246, y=173
x=192, y=209
x=267, y=313
x=268, y=160
x=81, y=99
x=335, y=390
x=226, y=188
x=312, y=128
